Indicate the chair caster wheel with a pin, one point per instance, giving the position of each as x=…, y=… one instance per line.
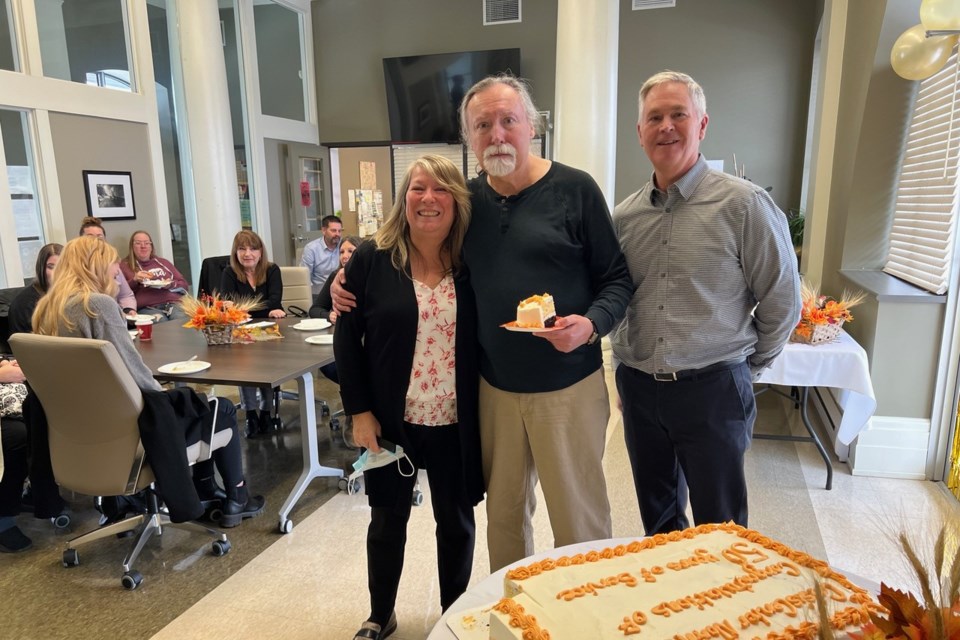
x=354, y=486
x=286, y=526
x=71, y=558
x=417, y=498
x=220, y=547
x=61, y=521
x=131, y=580
x=334, y=424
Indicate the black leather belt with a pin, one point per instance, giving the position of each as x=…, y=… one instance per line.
x=693, y=374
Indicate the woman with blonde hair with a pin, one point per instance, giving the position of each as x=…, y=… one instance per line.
x=407, y=361
x=252, y=275
x=91, y=226
x=80, y=304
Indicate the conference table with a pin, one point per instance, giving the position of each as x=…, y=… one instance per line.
x=266, y=363
x=841, y=364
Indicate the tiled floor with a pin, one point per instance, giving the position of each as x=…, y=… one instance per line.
x=311, y=583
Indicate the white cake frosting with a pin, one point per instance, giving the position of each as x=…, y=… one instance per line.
x=536, y=312
x=712, y=581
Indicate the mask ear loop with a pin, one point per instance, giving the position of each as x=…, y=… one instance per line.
x=413, y=469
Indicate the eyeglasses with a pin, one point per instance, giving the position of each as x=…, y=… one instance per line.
x=143, y=244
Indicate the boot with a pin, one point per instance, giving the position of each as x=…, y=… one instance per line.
x=209, y=492
x=239, y=505
x=268, y=424
x=253, y=424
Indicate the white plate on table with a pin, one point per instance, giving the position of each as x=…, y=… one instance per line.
x=258, y=325
x=142, y=317
x=133, y=335
x=472, y=624
x=157, y=284
x=184, y=367
x=312, y=324
x=324, y=339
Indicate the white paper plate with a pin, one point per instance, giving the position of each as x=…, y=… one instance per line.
x=157, y=284
x=184, y=367
x=142, y=317
x=512, y=326
x=472, y=624
x=313, y=324
x=264, y=323
x=133, y=335
x=324, y=339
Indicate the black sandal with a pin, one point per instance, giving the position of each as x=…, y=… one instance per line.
x=370, y=630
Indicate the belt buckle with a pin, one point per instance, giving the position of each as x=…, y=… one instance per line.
x=665, y=377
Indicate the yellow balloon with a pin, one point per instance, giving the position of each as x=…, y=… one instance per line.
x=915, y=57
x=940, y=15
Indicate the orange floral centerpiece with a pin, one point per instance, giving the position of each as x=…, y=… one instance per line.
x=217, y=318
x=821, y=317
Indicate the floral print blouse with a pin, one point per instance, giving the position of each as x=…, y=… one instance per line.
x=431, y=396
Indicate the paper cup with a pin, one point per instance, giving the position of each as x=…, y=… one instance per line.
x=144, y=329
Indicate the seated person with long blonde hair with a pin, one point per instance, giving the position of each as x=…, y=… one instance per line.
x=80, y=304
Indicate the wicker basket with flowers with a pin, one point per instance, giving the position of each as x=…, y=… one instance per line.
x=822, y=317
x=217, y=318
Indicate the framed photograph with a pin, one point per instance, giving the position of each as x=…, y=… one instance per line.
x=109, y=194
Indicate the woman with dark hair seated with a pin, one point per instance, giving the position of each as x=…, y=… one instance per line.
x=80, y=304
x=21, y=309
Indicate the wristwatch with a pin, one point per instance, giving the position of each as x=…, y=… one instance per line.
x=592, y=340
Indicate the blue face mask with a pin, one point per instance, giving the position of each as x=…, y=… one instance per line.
x=369, y=460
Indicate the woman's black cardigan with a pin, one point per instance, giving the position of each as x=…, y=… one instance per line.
x=374, y=347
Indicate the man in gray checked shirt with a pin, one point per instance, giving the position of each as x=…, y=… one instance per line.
x=718, y=295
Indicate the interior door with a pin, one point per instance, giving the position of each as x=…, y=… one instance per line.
x=308, y=171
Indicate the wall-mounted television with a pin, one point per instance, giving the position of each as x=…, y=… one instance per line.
x=424, y=92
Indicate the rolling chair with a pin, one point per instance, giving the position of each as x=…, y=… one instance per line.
x=94, y=439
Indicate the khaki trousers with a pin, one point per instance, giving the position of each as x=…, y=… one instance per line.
x=557, y=437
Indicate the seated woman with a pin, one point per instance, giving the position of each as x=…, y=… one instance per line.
x=21, y=308
x=91, y=226
x=80, y=304
x=251, y=275
x=323, y=303
x=13, y=470
x=155, y=282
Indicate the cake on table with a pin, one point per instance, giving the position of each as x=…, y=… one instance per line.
x=711, y=581
x=537, y=312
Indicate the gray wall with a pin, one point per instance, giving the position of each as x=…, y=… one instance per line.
x=351, y=39
x=753, y=59
x=82, y=142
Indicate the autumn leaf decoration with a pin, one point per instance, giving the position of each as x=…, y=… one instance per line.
x=214, y=310
x=937, y=617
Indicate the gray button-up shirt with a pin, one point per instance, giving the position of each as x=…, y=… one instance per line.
x=715, y=271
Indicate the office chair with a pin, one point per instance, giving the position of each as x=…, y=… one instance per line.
x=211, y=269
x=92, y=404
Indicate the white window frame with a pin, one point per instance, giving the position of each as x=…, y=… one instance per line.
x=922, y=235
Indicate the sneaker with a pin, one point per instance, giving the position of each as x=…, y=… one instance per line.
x=13, y=540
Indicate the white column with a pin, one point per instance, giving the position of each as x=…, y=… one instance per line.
x=204, y=112
x=585, y=119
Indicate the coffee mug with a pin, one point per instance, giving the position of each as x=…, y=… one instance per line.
x=144, y=329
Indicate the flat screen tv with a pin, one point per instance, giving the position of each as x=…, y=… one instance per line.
x=424, y=92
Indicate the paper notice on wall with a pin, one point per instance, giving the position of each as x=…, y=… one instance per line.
x=368, y=175
x=367, y=219
x=352, y=199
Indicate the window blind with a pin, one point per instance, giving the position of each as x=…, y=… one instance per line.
x=921, y=238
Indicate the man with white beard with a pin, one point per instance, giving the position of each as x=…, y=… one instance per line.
x=539, y=227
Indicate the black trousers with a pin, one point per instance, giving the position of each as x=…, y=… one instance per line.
x=436, y=449
x=685, y=435
x=13, y=437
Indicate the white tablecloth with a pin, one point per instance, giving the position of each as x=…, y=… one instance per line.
x=841, y=364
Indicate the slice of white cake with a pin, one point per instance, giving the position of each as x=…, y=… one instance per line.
x=537, y=312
